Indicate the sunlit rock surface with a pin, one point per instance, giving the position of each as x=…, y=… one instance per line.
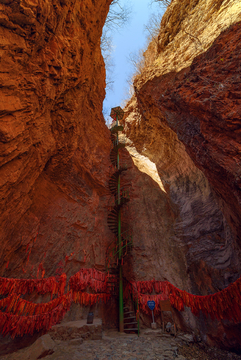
x=185, y=117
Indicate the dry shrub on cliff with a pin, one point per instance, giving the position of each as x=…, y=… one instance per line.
x=139, y=60
x=163, y=2
x=143, y=57
x=152, y=28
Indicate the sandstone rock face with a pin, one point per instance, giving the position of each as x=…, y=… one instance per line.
x=185, y=118
x=54, y=143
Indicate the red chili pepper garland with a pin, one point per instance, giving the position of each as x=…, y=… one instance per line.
x=225, y=304
x=23, y=286
x=24, y=317
x=92, y=278
x=16, y=325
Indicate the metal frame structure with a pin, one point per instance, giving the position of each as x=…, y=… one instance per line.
x=121, y=197
x=117, y=114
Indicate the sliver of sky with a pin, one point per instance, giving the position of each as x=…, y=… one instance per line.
x=130, y=39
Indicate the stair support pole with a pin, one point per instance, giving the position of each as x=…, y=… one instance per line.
x=121, y=304
x=115, y=113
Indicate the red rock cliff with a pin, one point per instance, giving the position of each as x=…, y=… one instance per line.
x=54, y=142
x=185, y=118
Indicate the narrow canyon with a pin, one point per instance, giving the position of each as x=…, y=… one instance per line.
x=182, y=134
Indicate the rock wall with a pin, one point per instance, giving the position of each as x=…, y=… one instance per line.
x=54, y=142
x=185, y=118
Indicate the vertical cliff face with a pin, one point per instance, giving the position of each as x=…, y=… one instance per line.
x=54, y=142
x=185, y=118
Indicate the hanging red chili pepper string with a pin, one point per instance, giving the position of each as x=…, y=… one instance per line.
x=225, y=304
x=24, y=317
x=92, y=278
x=55, y=285
x=16, y=325
x=17, y=306
x=24, y=286
x=89, y=299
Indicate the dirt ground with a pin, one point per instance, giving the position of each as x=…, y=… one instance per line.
x=201, y=352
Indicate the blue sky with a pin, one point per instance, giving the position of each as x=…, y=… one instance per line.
x=129, y=39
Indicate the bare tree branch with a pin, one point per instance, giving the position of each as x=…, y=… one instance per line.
x=162, y=2
x=152, y=28
x=117, y=17
x=194, y=37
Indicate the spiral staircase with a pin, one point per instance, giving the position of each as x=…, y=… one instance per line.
x=120, y=196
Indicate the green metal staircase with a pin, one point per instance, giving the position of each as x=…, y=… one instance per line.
x=120, y=196
x=130, y=321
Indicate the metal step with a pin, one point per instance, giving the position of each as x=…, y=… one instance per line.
x=132, y=323
x=130, y=317
x=112, y=216
x=118, y=146
x=134, y=329
x=116, y=128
